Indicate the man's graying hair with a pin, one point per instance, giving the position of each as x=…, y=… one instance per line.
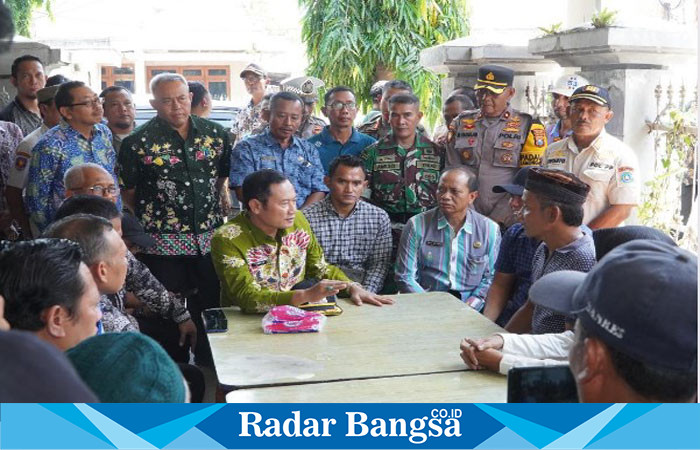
x=166, y=78
x=74, y=177
x=88, y=231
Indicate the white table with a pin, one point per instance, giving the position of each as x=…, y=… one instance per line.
x=418, y=335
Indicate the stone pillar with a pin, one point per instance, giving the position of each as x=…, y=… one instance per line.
x=460, y=60
x=629, y=62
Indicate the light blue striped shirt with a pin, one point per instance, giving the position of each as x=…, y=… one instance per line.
x=429, y=259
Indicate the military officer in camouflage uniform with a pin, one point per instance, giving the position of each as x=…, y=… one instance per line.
x=307, y=89
x=495, y=141
x=378, y=127
x=403, y=169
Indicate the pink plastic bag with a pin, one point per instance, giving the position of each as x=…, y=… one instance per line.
x=289, y=319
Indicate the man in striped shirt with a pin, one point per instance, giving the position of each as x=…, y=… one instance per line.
x=450, y=248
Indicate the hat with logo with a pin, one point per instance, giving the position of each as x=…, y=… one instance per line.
x=641, y=299
x=304, y=87
x=494, y=78
x=47, y=94
x=593, y=93
x=567, y=84
x=516, y=187
x=254, y=69
x=557, y=185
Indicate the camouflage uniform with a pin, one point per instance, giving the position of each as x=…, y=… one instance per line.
x=495, y=152
x=403, y=181
x=375, y=128
x=311, y=126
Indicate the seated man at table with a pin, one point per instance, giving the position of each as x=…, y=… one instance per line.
x=500, y=352
x=452, y=247
x=269, y=248
x=354, y=235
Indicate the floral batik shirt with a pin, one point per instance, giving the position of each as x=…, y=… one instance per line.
x=258, y=272
x=249, y=119
x=176, y=198
x=61, y=148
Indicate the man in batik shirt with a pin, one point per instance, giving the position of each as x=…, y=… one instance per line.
x=264, y=252
x=173, y=170
x=250, y=118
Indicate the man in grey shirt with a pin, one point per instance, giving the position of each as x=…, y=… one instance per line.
x=553, y=212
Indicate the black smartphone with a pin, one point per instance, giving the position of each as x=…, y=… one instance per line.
x=546, y=384
x=214, y=320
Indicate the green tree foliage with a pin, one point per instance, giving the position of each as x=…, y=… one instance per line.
x=22, y=13
x=354, y=42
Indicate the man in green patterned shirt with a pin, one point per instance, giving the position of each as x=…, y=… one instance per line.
x=264, y=252
x=173, y=170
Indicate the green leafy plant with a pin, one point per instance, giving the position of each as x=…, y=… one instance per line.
x=552, y=29
x=357, y=42
x=660, y=207
x=604, y=18
x=22, y=11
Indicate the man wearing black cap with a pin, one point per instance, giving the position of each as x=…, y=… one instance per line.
x=552, y=212
x=255, y=79
x=602, y=161
x=495, y=141
x=512, y=279
x=628, y=346
x=19, y=170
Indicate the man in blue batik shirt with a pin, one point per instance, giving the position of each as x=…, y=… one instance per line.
x=80, y=138
x=340, y=137
x=277, y=148
x=451, y=248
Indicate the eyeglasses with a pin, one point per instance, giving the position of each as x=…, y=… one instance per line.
x=340, y=105
x=92, y=103
x=104, y=191
x=252, y=78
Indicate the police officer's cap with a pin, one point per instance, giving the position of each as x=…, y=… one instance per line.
x=304, y=87
x=593, y=93
x=494, y=78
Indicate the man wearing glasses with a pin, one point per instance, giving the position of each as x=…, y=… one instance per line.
x=494, y=141
x=80, y=138
x=602, y=161
x=250, y=118
x=340, y=137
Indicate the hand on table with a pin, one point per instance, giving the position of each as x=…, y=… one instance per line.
x=360, y=295
x=321, y=290
x=479, y=353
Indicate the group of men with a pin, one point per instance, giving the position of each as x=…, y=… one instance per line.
x=482, y=211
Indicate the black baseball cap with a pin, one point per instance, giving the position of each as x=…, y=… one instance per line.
x=518, y=185
x=641, y=299
x=593, y=93
x=134, y=232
